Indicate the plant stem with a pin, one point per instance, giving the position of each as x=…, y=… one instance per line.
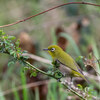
x=38, y=69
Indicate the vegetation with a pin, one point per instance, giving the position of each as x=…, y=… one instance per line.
x=27, y=72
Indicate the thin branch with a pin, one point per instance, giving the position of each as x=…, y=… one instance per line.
x=28, y=64
x=86, y=3
x=74, y=92
x=82, y=95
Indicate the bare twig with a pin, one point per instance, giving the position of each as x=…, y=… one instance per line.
x=86, y=3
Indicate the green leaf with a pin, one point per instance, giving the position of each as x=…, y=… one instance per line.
x=79, y=58
x=12, y=52
x=19, y=49
x=15, y=55
x=1, y=32
x=80, y=86
x=5, y=37
x=17, y=43
x=11, y=37
x=10, y=63
x=26, y=68
x=34, y=74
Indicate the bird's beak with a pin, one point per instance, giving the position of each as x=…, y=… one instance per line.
x=45, y=49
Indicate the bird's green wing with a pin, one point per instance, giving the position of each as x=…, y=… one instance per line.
x=67, y=66
x=79, y=69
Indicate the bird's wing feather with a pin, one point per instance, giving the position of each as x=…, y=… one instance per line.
x=79, y=69
x=66, y=66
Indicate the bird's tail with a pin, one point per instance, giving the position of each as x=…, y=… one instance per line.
x=81, y=74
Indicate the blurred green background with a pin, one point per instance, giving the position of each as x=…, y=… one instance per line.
x=75, y=28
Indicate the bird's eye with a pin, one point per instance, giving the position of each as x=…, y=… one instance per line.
x=53, y=49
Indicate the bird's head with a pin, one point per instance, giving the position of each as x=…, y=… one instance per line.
x=53, y=50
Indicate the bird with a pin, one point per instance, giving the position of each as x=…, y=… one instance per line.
x=66, y=60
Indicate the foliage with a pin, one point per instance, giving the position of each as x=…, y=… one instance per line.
x=46, y=37
x=9, y=47
x=12, y=48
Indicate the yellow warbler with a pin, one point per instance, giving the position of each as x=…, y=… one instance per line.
x=65, y=59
